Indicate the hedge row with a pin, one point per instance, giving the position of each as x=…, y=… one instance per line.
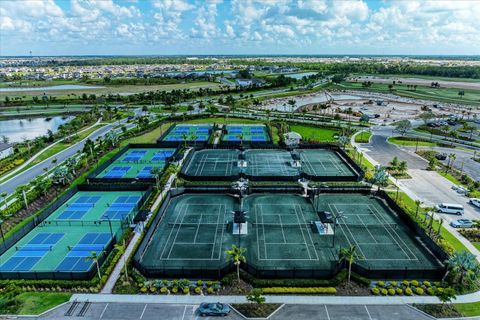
x=296, y=290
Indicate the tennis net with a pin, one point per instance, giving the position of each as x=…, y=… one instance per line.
x=369, y=225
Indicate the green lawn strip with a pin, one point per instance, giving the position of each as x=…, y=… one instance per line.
x=408, y=141
x=221, y=120
x=469, y=309
x=37, y=302
x=148, y=137
x=447, y=236
x=417, y=76
x=449, y=177
x=363, y=137
x=476, y=245
x=315, y=133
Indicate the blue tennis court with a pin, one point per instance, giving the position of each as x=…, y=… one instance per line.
x=138, y=163
x=189, y=132
x=247, y=133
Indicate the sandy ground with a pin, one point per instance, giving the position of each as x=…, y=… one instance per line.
x=422, y=82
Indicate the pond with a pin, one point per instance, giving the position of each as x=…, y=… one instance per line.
x=300, y=75
x=282, y=105
x=51, y=88
x=18, y=129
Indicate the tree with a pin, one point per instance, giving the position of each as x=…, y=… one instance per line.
x=157, y=173
x=451, y=159
x=394, y=163
x=446, y=295
x=417, y=203
x=403, y=126
x=380, y=177
x=292, y=104
x=255, y=296
x=445, y=129
x=94, y=257
x=402, y=166
x=348, y=254
x=235, y=254
x=5, y=139
x=364, y=119
x=432, y=163
x=343, y=140
x=462, y=264
x=426, y=116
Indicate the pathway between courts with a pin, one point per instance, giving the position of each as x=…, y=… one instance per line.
x=287, y=299
x=108, y=287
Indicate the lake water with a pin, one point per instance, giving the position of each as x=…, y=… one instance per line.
x=278, y=104
x=30, y=128
x=300, y=75
x=60, y=87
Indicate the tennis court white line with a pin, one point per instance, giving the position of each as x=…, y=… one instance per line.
x=182, y=209
x=309, y=234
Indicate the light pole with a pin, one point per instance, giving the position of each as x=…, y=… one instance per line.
x=109, y=225
x=1, y=231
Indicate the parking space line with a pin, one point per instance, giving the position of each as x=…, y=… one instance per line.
x=370, y=317
x=184, y=311
x=144, y=308
x=104, y=309
x=326, y=310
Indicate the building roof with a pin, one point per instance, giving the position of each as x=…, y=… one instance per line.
x=4, y=146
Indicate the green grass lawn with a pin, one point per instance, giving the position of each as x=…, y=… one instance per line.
x=449, y=177
x=476, y=245
x=409, y=141
x=222, y=120
x=469, y=309
x=417, y=76
x=315, y=133
x=149, y=137
x=38, y=302
x=363, y=137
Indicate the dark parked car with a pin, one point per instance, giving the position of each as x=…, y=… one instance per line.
x=441, y=156
x=213, y=309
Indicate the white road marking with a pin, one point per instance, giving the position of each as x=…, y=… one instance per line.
x=101, y=315
x=144, y=308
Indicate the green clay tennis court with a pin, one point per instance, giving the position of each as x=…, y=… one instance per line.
x=283, y=232
x=137, y=163
x=267, y=163
x=213, y=163
x=71, y=233
x=245, y=133
x=382, y=239
x=324, y=162
x=189, y=132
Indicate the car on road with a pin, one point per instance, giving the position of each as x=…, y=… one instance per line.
x=475, y=202
x=462, y=223
x=213, y=309
x=460, y=189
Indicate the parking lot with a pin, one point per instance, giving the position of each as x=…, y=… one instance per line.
x=134, y=311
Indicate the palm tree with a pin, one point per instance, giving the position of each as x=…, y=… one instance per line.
x=417, y=203
x=94, y=257
x=235, y=254
x=292, y=104
x=348, y=254
x=184, y=137
x=464, y=264
x=157, y=173
x=121, y=249
x=4, y=196
x=402, y=166
x=380, y=176
x=451, y=159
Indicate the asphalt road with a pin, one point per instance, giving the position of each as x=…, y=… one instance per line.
x=383, y=151
x=137, y=311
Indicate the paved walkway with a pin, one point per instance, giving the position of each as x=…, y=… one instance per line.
x=108, y=287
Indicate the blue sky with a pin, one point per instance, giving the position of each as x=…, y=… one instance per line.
x=189, y=27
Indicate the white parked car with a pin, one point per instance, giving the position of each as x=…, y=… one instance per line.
x=475, y=202
x=462, y=223
x=452, y=208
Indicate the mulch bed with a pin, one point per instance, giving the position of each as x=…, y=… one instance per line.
x=254, y=310
x=237, y=288
x=438, y=310
x=352, y=289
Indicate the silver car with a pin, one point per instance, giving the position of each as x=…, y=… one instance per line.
x=462, y=223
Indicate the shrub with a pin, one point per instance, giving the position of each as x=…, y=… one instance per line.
x=415, y=283
x=301, y=290
x=391, y=292
x=393, y=284
x=409, y=292
x=427, y=284
x=375, y=291
x=186, y=290
x=199, y=283
x=163, y=290
x=210, y=290
x=143, y=289
x=198, y=290
x=431, y=291
x=419, y=291
x=384, y=292
x=153, y=289
x=174, y=290
x=406, y=283
x=380, y=284
x=399, y=291
x=209, y=283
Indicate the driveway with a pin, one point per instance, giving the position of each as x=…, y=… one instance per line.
x=137, y=311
